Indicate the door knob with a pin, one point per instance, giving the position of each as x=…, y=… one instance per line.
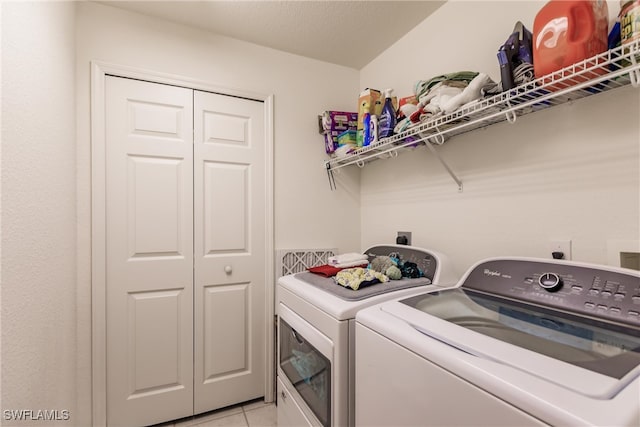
x=228, y=269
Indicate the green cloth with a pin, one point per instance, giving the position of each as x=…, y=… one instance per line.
x=422, y=87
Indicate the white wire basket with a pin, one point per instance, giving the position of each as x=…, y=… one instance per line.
x=610, y=70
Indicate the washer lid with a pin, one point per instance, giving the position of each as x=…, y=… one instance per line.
x=593, y=358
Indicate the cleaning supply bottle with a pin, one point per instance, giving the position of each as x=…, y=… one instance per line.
x=370, y=123
x=566, y=32
x=366, y=124
x=373, y=130
x=387, y=120
x=629, y=26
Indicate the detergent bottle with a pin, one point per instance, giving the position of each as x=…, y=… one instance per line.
x=387, y=120
x=366, y=123
x=629, y=25
x=568, y=31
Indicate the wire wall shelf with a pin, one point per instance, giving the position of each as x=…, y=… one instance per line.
x=610, y=70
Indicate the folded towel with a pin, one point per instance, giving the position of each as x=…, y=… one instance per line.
x=332, y=270
x=325, y=270
x=470, y=93
x=348, y=257
x=359, y=263
x=423, y=87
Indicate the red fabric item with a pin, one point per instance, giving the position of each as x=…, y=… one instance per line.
x=329, y=270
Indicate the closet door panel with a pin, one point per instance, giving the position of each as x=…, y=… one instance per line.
x=154, y=339
x=226, y=208
x=225, y=330
x=159, y=228
x=229, y=215
x=149, y=247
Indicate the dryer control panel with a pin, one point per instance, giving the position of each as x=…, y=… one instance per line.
x=585, y=290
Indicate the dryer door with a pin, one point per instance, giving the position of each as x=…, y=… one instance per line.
x=305, y=359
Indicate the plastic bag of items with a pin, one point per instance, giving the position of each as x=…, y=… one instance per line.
x=337, y=127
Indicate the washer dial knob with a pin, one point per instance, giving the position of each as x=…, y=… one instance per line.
x=550, y=282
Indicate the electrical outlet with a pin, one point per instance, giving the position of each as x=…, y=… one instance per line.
x=402, y=235
x=563, y=246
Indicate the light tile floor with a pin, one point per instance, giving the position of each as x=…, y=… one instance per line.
x=249, y=414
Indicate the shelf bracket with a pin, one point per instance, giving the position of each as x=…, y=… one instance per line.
x=510, y=113
x=634, y=74
x=438, y=138
x=446, y=166
x=332, y=180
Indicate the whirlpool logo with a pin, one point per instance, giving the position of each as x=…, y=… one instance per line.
x=493, y=273
x=488, y=272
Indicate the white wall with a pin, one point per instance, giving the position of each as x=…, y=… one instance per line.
x=307, y=213
x=569, y=172
x=38, y=209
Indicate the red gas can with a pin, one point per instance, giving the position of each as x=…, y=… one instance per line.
x=566, y=32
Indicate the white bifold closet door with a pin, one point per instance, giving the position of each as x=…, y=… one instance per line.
x=229, y=304
x=185, y=251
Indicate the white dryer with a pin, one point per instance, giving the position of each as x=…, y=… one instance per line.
x=517, y=342
x=316, y=336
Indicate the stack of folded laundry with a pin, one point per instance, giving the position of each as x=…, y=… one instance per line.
x=340, y=262
x=352, y=259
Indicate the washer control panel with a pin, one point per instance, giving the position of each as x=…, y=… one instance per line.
x=550, y=281
x=592, y=290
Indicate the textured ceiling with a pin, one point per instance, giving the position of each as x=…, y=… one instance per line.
x=349, y=33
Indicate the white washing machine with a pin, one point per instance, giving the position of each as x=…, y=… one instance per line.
x=518, y=342
x=316, y=336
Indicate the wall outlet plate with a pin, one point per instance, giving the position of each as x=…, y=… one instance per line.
x=406, y=234
x=563, y=246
